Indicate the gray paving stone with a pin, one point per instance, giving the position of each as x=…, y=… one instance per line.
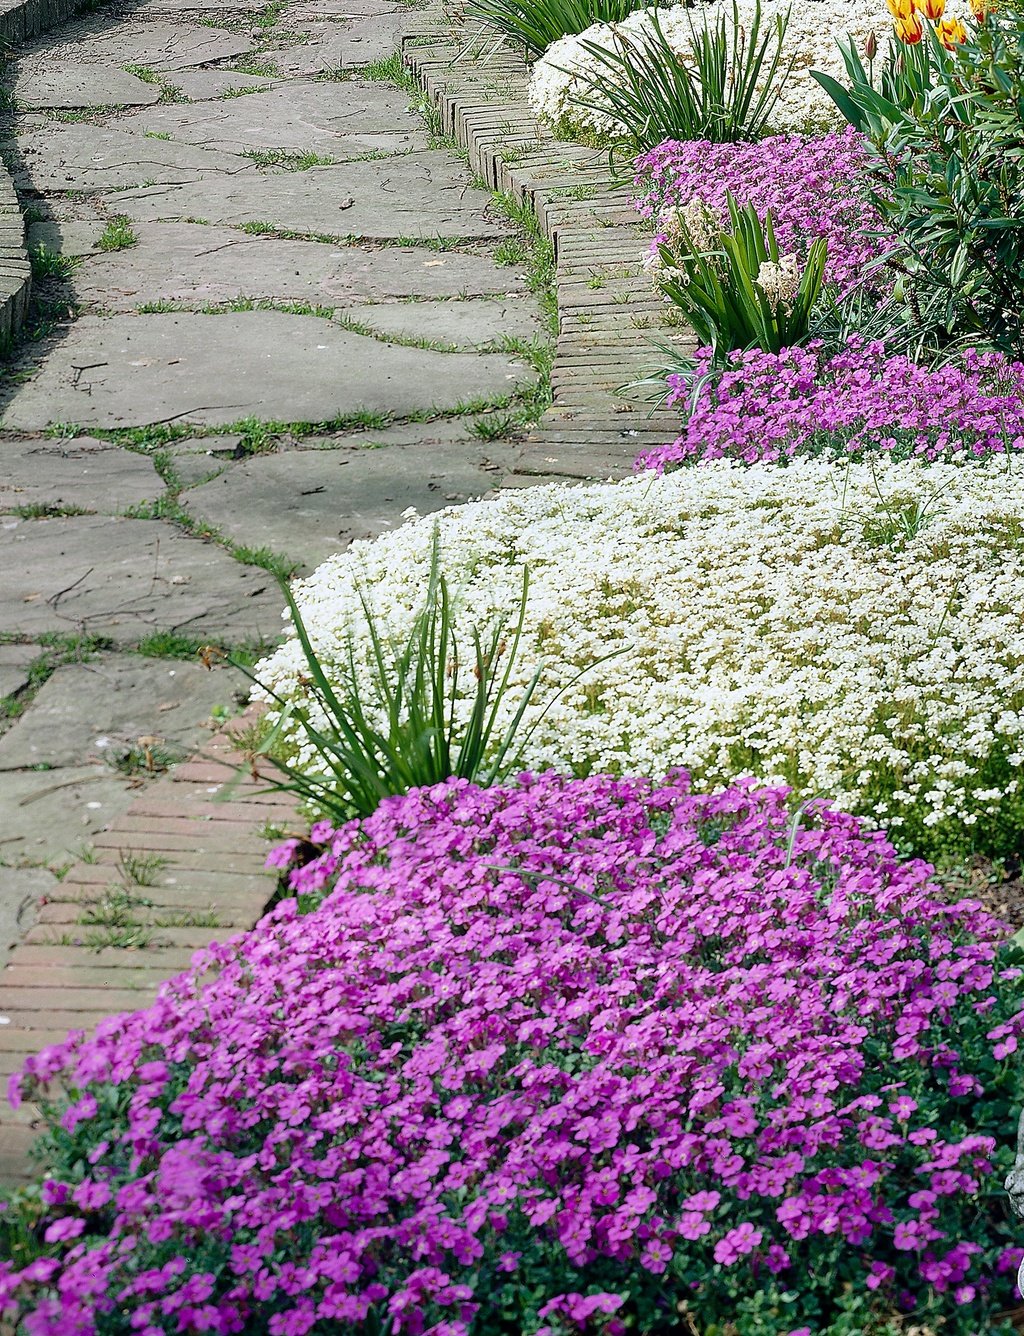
x=325, y=118
x=189, y=263
x=73, y=237
x=21, y=890
x=72, y=86
x=348, y=45
x=90, y=474
x=84, y=156
x=219, y=369
x=463, y=324
x=200, y=85
x=220, y=9
x=126, y=578
x=316, y=502
x=157, y=45
x=14, y=665
x=422, y=195
x=96, y=710
x=303, y=13
x=48, y=814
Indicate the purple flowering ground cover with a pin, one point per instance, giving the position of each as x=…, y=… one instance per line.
x=814, y=187
x=766, y=407
x=569, y=1056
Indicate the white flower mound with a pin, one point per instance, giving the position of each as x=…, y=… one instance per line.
x=564, y=71
x=779, y=622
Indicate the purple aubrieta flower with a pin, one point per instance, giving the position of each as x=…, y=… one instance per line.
x=814, y=186
x=737, y=1243
x=770, y=407
x=591, y=1028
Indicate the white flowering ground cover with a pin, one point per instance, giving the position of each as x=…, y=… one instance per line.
x=853, y=630
x=564, y=71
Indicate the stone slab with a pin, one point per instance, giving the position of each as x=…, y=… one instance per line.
x=318, y=501
x=73, y=237
x=21, y=889
x=196, y=265
x=200, y=85
x=303, y=14
x=462, y=324
x=298, y=116
x=126, y=578
x=233, y=8
x=97, y=709
x=345, y=45
x=420, y=195
x=73, y=86
x=89, y=474
x=219, y=369
x=157, y=45
x=85, y=156
x=14, y=665
x=47, y=815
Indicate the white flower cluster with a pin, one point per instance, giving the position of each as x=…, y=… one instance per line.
x=853, y=630
x=780, y=282
x=566, y=69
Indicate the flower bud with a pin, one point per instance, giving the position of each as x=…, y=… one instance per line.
x=870, y=46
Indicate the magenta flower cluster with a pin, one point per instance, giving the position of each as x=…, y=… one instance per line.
x=766, y=407
x=546, y=1055
x=814, y=188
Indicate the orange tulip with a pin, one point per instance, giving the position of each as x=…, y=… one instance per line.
x=910, y=30
x=981, y=9
x=900, y=9
x=930, y=9
x=951, y=33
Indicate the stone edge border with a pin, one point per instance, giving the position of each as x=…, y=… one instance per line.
x=606, y=304
x=19, y=21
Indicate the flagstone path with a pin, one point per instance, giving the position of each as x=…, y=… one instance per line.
x=270, y=317
x=274, y=308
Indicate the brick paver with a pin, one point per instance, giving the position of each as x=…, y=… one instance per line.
x=208, y=881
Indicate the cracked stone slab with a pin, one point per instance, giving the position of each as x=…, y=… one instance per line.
x=346, y=45
x=462, y=324
x=71, y=86
x=421, y=195
x=15, y=661
x=90, y=474
x=97, y=709
x=202, y=85
x=297, y=117
x=160, y=45
x=196, y=265
x=126, y=578
x=72, y=237
x=49, y=814
x=302, y=13
x=219, y=369
x=317, y=502
x=84, y=156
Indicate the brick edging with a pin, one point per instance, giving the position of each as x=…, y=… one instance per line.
x=605, y=301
